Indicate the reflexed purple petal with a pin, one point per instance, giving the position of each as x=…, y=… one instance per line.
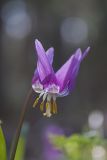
x=45, y=71
x=39, y=48
x=75, y=72
x=42, y=72
x=71, y=83
x=85, y=53
x=50, y=54
x=35, y=77
x=65, y=73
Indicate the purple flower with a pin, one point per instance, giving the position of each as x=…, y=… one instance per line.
x=51, y=85
x=49, y=151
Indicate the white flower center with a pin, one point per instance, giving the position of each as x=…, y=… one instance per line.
x=37, y=87
x=52, y=89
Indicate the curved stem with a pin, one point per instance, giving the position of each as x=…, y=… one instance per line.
x=20, y=123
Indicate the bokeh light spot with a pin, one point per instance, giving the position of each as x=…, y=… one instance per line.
x=16, y=20
x=96, y=119
x=74, y=30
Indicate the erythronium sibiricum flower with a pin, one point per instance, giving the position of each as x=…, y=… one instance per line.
x=51, y=85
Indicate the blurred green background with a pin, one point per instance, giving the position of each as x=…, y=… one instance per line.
x=66, y=25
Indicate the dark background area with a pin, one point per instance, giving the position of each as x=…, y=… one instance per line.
x=66, y=25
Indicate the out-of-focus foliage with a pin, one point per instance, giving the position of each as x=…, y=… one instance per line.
x=3, y=154
x=20, y=152
x=78, y=147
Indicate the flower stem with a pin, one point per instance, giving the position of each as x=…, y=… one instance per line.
x=20, y=123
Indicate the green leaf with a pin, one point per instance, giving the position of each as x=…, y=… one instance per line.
x=20, y=152
x=20, y=149
x=3, y=154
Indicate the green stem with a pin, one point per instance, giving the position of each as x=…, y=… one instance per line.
x=20, y=123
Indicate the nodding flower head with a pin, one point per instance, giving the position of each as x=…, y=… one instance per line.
x=51, y=85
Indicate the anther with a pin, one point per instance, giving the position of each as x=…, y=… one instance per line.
x=48, y=110
x=42, y=106
x=54, y=107
x=35, y=102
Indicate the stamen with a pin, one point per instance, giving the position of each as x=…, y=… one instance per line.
x=37, y=99
x=49, y=98
x=48, y=110
x=35, y=102
x=44, y=96
x=54, y=107
x=42, y=106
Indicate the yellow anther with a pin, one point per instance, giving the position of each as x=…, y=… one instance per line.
x=48, y=110
x=42, y=106
x=35, y=102
x=54, y=107
x=47, y=105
